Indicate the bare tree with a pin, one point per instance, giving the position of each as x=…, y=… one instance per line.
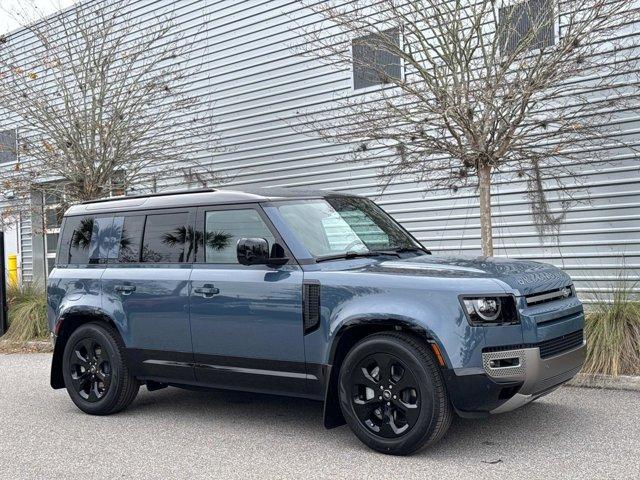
x=101, y=102
x=475, y=89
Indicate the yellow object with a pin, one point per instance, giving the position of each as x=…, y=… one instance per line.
x=12, y=267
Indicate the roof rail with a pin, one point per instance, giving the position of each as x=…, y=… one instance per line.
x=157, y=194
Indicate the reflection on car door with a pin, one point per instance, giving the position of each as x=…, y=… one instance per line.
x=246, y=320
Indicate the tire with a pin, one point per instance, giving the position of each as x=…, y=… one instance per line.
x=401, y=421
x=95, y=371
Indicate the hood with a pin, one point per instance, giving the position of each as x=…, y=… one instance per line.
x=524, y=276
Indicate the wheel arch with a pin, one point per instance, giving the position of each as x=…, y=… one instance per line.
x=345, y=338
x=65, y=325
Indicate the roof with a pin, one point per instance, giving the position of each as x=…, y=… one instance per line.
x=188, y=198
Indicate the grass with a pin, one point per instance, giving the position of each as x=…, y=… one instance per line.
x=613, y=334
x=27, y=313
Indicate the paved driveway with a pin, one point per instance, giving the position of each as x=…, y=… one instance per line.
x=172, y=433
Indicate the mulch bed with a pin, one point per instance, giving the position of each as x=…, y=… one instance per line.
x=34, y=346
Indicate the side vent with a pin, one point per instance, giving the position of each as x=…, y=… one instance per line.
x=310, y=306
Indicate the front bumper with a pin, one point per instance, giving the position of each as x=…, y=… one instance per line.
x=517, y=376
x=537, y=375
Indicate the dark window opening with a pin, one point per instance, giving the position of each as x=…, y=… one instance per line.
x=52, y=242
x=373, y=63
x=8, y=146
x=531, y=22
x=53, y=217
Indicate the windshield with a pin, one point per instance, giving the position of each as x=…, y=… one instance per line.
x=337, y=225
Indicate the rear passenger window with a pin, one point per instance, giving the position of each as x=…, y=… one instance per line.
x=128, y=231
x=165, y=237
x=101, y=240
x=85, y=240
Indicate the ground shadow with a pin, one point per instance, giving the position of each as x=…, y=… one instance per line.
x=486, y=439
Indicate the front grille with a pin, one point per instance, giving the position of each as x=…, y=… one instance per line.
x=552, y=347
x=548, y=348
x=550, y=296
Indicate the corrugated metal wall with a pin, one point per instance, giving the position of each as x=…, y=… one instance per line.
x=246, y=64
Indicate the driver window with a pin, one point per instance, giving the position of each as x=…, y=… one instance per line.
x=223, y=229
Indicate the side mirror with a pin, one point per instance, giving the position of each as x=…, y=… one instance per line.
x=252, y=251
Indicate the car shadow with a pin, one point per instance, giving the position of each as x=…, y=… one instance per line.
x=488, y=440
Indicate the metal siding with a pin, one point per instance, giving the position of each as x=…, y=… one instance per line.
x=260, y=87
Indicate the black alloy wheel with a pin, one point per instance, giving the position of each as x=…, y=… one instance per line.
x=90, y=369
x=95, y=370
x=385, y=396
x=392, y=393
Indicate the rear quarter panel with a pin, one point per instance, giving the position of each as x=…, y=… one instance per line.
x=73, y=290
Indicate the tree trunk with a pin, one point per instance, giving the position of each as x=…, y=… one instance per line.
x=484, y=188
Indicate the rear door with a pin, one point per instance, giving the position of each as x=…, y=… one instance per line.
x=246, y=320
x=147, y=288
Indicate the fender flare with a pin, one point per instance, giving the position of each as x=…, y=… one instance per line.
x=77, y=315
x=332, y=413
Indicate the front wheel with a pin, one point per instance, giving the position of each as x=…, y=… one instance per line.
x=392, y=394
x=95, y=372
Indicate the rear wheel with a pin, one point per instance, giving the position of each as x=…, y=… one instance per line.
x=392, y=394
x=95, y=372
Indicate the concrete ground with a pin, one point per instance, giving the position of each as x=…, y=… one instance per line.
x=172, y=433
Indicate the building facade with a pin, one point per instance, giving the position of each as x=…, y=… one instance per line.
x=245, y=54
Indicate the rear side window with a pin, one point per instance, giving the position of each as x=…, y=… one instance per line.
x=165, y=237
x=86, y=239
x=129, y=234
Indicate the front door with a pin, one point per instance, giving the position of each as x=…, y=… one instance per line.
x=246, y=321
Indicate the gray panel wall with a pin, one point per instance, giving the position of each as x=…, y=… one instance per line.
x=260, y=87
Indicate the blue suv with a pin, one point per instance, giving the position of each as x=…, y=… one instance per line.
x=311, y=294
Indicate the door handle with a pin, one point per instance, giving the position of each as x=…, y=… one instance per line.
x=206, y=291
x=125, y=289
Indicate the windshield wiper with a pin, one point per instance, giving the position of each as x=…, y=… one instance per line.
x=349, y=255
x=412, y=249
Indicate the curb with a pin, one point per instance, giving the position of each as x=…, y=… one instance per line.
x=620, y=382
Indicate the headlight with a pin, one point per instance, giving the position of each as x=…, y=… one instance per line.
x=490, y=310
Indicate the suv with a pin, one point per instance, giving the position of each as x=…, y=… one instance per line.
x=310, y=294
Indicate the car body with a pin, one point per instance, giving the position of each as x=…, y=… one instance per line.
x=285, y=325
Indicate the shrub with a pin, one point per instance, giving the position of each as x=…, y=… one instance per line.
x=27, y=313
x=613, y=333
